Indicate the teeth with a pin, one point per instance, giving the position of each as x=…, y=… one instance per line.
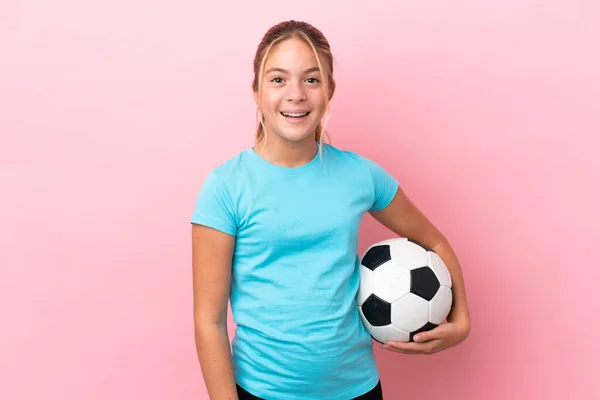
x=294, y=114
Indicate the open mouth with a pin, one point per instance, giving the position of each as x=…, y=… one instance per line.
x=298, y=115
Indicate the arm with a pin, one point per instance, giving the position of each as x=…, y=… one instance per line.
x=212, y=252
x=403, y=218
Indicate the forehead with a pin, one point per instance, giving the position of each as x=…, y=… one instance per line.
x=292, y=54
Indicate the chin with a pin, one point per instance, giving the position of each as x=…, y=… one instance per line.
x=298, y=139
x=297, y=136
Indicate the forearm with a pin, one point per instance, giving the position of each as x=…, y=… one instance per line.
x=214, y=354
x=460, y=310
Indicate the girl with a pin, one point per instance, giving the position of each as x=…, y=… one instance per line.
x=275, y=231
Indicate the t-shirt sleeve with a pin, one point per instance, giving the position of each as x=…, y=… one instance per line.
x=214, y=205
x=385, y=185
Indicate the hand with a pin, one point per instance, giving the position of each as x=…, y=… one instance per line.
x=440, y=338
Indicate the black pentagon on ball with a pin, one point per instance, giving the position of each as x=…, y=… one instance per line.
x=376, y=256
x=427, y=327
x=377, y=311
x=424, y=283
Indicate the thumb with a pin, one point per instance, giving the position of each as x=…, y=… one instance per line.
x=421, y=337
x=435, y=333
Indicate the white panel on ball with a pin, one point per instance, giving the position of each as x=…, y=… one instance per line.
x=410, y=313
x=408, y=254
x=440, y=270
x=392, y=281
x=389, y=332
x=440, y=305
x=365, y=288
x=388, y=241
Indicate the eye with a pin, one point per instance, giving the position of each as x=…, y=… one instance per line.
x=314, y=80
x=277, y=79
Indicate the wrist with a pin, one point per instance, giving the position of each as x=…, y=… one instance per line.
x=460, y=319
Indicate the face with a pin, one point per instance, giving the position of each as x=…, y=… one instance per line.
x=292, y=101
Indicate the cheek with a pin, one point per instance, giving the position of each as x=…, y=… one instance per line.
x=317, y=99
x=271, y=101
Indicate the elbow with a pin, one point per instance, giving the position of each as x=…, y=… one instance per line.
x=440, y=242
x=208, y=334
x=210, y=325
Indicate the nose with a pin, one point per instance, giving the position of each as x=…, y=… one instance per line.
x=296, y=92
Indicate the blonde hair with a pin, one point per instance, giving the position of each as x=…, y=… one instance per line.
x=320, y=47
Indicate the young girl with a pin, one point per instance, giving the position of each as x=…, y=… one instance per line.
x=275, y=231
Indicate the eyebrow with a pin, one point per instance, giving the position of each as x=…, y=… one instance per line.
x=313, y=69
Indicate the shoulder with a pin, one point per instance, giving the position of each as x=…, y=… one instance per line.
x=224, y=173
x=342, y=153
x=216, y=184
x=216, y=193
x=351, y=156
x=368, y=165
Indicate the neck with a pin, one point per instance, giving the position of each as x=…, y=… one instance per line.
x=287, y=154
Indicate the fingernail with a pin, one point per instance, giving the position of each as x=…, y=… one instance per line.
x=417, y=338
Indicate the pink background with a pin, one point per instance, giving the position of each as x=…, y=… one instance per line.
x=112, y=112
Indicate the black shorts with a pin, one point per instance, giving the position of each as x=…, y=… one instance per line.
x=373, y=394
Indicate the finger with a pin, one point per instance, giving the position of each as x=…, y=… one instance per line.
x=398, y=350
x=424, y=337
x=414, y=348
x=438, y=332
x=408, y=347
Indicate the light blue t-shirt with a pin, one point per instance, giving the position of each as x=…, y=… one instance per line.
x=295, y=270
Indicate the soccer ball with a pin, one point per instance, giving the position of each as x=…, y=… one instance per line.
x=405, y=288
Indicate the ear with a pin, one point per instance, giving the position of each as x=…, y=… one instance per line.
x=332, y=89
x=254, y=94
